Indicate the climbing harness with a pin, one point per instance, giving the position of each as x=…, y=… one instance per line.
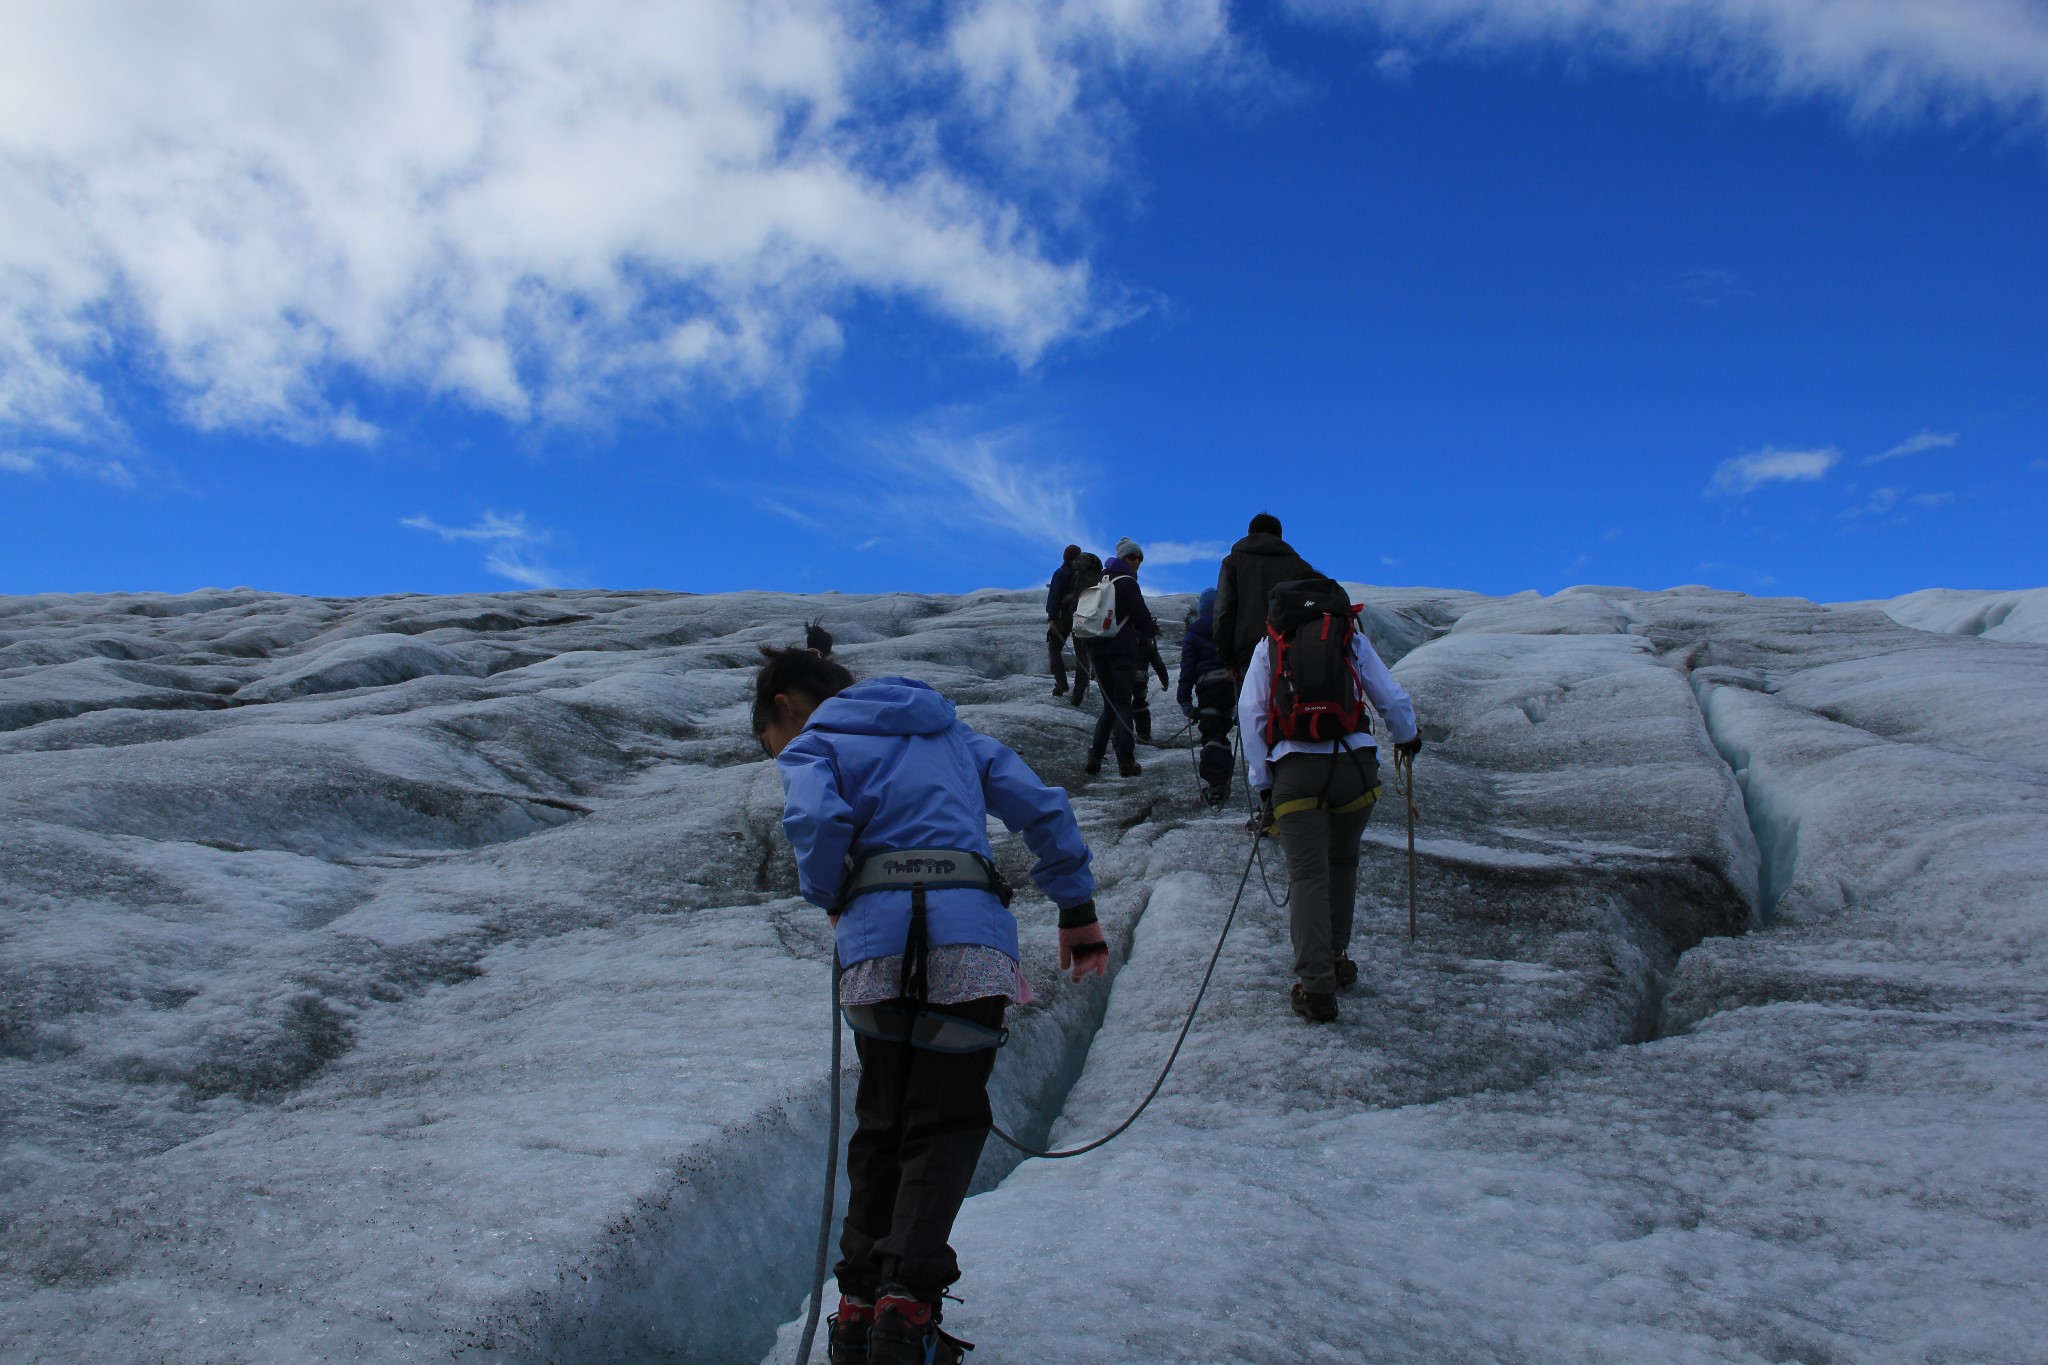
x=918, y=870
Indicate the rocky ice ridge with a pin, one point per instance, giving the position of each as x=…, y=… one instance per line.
x=423, y=977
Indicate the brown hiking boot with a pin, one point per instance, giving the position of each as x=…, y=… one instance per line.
x=1347, y=973
x=1093, y=765
x=1318, y=1007
x=1124, y=769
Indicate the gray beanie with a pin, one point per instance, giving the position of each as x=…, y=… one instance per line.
x=1128, y=550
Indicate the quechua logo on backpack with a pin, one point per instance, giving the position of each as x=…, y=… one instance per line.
x=1316, y=691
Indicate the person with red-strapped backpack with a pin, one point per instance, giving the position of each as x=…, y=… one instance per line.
x=1310, y=754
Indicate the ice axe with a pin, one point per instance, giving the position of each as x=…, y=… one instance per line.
x=1404, y=767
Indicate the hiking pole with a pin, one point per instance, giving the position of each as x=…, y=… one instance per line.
x=1404, y=765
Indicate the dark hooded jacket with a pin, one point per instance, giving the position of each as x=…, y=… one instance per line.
x=1253, y=568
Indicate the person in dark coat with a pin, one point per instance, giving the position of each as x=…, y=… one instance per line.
x=1207, y=699
x=1117, y=663
x=1130, y=553
x=1059, y=626
x=1085, y=572
x=1253, y=568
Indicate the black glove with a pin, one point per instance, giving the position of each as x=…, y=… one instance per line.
x=1161, y=671
x=1262, y=824
x=1410, y=747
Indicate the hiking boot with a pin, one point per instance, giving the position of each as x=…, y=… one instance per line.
x=1128, y=769
x=1080, y=693
x=1059, y=689
x=906, y=1332
x=1347, y=973
x=1318, y=1007
x=848, y=1342
x=1093, y=765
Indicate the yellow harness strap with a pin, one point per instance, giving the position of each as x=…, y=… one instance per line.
x=1302, y=803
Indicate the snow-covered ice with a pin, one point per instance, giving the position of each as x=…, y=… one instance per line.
x=424, y=977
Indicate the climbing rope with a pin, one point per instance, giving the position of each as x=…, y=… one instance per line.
x=1166, y=1070
x=803, y=1354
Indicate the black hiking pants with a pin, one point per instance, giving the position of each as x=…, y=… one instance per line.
x=921, y=1118
x=1117, y=682
x=1215, y=714
x=1056, y=654
x=1322, y=855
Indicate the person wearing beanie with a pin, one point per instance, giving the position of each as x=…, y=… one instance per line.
x=1253, y=568
x=1207, y=699
x=1059, y=619
x=1128, y=551
x=1133, y=555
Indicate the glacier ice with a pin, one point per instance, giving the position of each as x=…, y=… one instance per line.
x=420, y=976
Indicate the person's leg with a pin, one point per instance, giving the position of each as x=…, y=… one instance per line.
x=1141, y=704
x=1115, y=682
x=945, y=1120
x=1305, y=834
x=1214, y=719
x=1107, y=721
x=1055, y=656
x=871, y=1161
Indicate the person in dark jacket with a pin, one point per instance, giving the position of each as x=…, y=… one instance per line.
x=1058, y=626
x=1117, y=663
x=1131, y=553
x=1207, y=699
x=1254, y=567
x=1085, y=572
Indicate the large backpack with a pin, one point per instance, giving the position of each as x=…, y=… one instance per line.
x=1095, y=613
x=1316, y=691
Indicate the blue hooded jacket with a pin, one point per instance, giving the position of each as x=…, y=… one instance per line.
x=1198, y=651
x=887, y=764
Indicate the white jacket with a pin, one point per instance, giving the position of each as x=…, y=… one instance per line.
x=1386, y=695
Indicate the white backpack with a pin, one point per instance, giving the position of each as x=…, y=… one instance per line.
x=1095, y=615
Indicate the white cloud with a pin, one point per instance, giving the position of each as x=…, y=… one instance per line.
x=540, y=209
x=1159, y=553
x=1926, y=440
x=1742, y=475
x=40, y=461
x=2038, y=465
x=1710, y=288
x=1395, y=64
x=1933, y=499
x=1881, y=58
x=511, y=539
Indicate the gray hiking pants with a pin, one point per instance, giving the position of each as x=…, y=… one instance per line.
x=1322, y=854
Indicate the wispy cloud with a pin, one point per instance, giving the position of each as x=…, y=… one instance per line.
x=1395, y=64
x=1914, y=445
x=512, y=541
x=261, y=205
x=1710, y=289
x=1163, y=552
x=38, y=461
x=1744, y=474
x=1000, y=480
x=1879, y=58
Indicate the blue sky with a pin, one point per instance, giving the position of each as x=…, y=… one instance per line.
x=1473, y=294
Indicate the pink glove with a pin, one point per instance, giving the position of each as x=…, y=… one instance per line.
x=1085, y=950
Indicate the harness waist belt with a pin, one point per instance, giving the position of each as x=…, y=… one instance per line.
x=923, y=1029
x=935, y=869
x=1302, y=803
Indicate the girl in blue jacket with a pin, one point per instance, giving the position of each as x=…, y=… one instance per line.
x=886, y=802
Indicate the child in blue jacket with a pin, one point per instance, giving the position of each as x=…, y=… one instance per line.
x=886, y=799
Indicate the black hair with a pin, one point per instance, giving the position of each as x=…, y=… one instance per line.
x=808, y=672
x=1266, y=522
